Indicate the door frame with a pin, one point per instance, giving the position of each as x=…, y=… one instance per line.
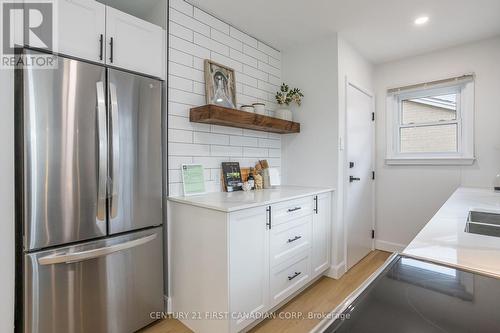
x=344, y=170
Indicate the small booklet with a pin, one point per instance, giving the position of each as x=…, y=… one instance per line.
x=231, y=173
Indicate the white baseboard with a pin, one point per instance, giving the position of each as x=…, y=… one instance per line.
x=389, y=246
x=336, y=272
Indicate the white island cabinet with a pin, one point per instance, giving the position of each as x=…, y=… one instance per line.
x=235, y=256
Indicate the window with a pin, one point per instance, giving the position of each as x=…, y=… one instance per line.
x=431, y=123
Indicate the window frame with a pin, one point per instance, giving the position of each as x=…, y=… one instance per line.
x=464, y=121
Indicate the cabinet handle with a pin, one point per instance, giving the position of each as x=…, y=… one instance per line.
x=294, y=209
x=291, y=240
x=111, y=50
x=268, y=224
x=100, y=46
x=290, y=278
x=316, y=204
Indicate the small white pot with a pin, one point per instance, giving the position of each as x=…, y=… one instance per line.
x=260, y=108
x=284, y=114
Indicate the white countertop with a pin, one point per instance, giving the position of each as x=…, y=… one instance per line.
x=444, y=240
x=233, y=201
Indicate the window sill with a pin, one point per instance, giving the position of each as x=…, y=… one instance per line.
x=430, y=161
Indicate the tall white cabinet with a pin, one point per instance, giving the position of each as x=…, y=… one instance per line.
x=233, y=257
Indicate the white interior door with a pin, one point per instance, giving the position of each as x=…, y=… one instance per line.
x=359, y=180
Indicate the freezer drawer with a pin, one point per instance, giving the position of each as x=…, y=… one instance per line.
x=135, y=151
x=106, y=286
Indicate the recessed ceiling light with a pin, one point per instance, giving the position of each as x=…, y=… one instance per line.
x=421, y=20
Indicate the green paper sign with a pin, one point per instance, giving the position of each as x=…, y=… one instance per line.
x=193, y=179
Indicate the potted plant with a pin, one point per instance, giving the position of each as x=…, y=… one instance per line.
x=284, y=97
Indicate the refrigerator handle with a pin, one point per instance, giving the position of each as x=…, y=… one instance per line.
x=103, y=156
x=115, y=170
x=69, y=258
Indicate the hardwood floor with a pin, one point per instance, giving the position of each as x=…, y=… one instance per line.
x=321, y=297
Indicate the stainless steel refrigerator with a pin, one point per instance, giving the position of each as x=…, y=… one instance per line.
x=89, y=189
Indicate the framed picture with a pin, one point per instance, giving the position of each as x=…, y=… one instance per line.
x=220, y=85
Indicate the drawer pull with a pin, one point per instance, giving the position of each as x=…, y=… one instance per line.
x=290, y=278
x=291, y=240
x=294, y=209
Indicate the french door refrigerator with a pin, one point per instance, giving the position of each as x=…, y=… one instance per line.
x=89, y=190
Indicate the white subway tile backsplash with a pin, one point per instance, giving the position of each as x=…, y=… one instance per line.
x=209, y=162
x=269, y=69
x=181, y=6
x=175, y=135
x=269, y=143
x=180, y=96
x=255, y=73
x=226, y=61
x=189, y=22
x=178, y=82
x=246, y=59
x=225, y=151
x=180, y=31
x=275, y=80
x=179, y=109
x=226, y=40
x=194, y=37
x=211, y=138
x=181, y=149
x=180, y=57
x=175, y=162
x=188, y=47
x=251, y=51
x=211, y=21
x=233, y=32
x=269, y=50
x=226, y=130
x=211, y=44
x=275, y=153
x=243, y=141
x=255, y=152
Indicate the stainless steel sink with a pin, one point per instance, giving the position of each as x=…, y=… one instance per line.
x=483, y=223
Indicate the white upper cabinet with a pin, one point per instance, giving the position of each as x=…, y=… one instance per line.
x=321, y=233
x=133, y=43
x=81, y=29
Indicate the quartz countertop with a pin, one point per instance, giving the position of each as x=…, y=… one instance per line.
x=233, y=201
x=444, y=240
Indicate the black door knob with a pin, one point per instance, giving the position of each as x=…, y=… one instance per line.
x=352, y=179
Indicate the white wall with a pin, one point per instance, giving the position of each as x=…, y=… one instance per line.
x=195, y=36
x=352, y=66
x=7, y=200
x=408, y=196
x=312, y=158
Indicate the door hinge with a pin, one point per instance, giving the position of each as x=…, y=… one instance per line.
x=373, y=233
x=373, y=175
x=373, y=116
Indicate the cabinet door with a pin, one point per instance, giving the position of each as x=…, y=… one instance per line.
x=248, y=265
x=134, y=44
x=321, y=235
x=81, y=29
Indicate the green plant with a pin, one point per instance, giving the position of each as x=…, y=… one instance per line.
x=287, y=95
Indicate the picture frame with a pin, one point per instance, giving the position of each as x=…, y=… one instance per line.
x=220, y=85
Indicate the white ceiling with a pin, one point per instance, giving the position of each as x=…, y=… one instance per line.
x=382, y=30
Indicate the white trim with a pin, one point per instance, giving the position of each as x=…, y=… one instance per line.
x=389, y=246
x=336, y=272
x=464, y=121
x=429, y=161
x=343, y=165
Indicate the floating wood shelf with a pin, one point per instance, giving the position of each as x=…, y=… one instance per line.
x=218, y=115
